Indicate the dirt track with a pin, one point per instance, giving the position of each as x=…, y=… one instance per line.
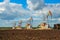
x=29, y=34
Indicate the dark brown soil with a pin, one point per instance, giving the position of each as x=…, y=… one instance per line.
x=29, y=34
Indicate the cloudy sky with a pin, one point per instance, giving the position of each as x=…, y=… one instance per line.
x=15, y=10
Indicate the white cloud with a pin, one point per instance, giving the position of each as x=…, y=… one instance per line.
x=37, y=19
x=35, y=4
x=16, y=10
x=58, y=19
x=2, y=9
x=6, y=1
x=37, y=8
x=12, y=11
x=5, y=23
x=36, y=14
x=41, y=8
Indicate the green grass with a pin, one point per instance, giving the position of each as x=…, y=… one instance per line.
x=5, y=28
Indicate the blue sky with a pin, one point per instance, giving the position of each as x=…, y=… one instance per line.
x=52, y=1
x=16, y=12
x=25, y=4
x=18, y=2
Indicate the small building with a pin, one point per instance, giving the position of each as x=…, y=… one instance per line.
x=28, y=26
x=18, y=27
x=13, y=28
x=56, y=26
x=43, y=26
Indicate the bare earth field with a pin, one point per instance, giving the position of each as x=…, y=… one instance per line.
x=29, y=34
